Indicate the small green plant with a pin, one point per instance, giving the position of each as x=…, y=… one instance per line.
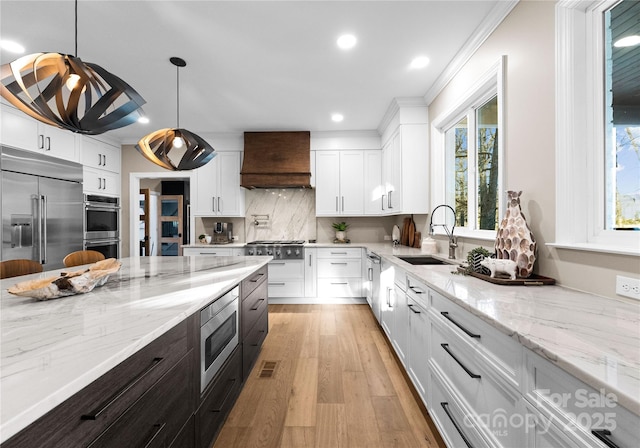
x=474, y=257
x=201, y=236
x=340, y=226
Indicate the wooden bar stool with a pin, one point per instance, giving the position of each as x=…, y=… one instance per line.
x=23, y=266
x=82, y=257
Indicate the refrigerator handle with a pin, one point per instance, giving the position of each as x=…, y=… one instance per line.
x=43, y=234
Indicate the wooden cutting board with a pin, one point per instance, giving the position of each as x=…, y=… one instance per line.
x=417, y=240
x=412, y=233
x=404, y=235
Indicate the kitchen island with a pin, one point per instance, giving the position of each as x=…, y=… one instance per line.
x=52, y=349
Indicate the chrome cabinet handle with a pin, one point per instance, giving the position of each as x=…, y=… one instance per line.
x=343, y=203
x=256, y=278
x=224, y=400
x=337, y=209
x=213, y=203
x=445, y=406
x=602, y=435
x=104, y=160
x=416, y=290
x=40, y=141
x=257, y=304
x=470, y=334
x=390, y=199
x=469, y=372
x=99, y=159
x=48, y=144
x=383, y=197
x=370, y=274
x=219, y=209
x=336, y=262
x=277, y=284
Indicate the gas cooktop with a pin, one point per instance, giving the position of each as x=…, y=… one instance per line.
x=278, y=249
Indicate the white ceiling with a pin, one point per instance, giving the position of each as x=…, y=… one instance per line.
x=256, y=66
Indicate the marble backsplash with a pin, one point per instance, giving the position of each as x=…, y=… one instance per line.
x=290, y=214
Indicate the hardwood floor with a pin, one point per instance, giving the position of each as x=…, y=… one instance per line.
x=336, y=383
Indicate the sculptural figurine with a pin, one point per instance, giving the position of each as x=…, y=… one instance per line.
x=497, y=266
x=514, y=240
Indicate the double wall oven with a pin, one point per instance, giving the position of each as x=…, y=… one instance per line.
x=101, y=225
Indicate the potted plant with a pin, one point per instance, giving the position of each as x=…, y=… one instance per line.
x=340, y=228
x=474, y=257
x=204, y=238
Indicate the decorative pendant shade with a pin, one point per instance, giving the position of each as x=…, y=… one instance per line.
x=61, y=90
x=156, y=146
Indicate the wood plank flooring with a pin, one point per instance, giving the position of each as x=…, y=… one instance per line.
x=336, y=383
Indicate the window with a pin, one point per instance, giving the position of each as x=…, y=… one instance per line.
x=468, y=136
x=597, y=168
x=480, y=126
x=622, y=116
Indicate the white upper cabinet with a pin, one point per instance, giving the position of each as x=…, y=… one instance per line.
x=405, y=158
x=218, y=191
x=339, y=183
x=20, y=131
x=373, y=187
x=100, y=155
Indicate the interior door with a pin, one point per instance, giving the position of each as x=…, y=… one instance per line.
x=170, y=224
x=145, y=218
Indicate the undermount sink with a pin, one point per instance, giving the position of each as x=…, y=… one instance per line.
x=420, y=260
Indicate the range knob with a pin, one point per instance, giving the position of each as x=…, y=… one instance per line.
x=288, y=251
x=269, y=252
x=297, y=251
x=250, y=251
x=259, y=252
x=277, y=253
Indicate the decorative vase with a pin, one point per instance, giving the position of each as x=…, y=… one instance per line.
x=340, y=235
x=514, y=240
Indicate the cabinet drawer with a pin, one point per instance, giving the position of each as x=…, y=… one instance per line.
x=157, y=418
x=339, y=287
x=482, y=392
x=333, y=253
x=219, y=252
x=218, y=400
x=339, y=268
x=286, y=288
x=452, y=421
x=89, y=412
x=578, y=408
x=253, y=342
x=290, y=269
x=500, y=351
x=252, y=307
x=255, y=280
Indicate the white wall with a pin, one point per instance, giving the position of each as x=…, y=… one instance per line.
x=527, y=38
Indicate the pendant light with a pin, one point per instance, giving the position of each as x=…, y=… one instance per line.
x=192, y=149
x=61, y=90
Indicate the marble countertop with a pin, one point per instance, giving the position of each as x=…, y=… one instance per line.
x=51, y=349
x=594, y=338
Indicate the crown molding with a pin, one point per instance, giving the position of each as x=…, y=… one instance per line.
x=495, y=17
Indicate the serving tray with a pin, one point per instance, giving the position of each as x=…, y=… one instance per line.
x=533, y=280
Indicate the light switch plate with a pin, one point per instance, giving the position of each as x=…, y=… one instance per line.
x=628, y=287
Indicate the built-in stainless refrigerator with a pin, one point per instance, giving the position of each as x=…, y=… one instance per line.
x=42, y=207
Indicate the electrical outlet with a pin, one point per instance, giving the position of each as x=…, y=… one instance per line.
x=628, y=287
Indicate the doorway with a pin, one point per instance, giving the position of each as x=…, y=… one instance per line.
x=135, y=180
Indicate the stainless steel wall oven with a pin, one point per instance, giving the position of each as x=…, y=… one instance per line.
x=101, y=224
x=219, y=327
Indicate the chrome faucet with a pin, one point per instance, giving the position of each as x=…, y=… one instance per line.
x=453, y=241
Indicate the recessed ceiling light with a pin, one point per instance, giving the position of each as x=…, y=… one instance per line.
x=11, y=46
x=143, y=120
x=628, y=41
x=347, y=41
x=337, y=117
x=419, y=62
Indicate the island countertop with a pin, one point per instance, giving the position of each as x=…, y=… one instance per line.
x=52, y=349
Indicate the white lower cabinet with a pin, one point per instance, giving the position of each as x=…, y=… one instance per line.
x=452, y=420
x=310, y=272
x=339, y=272
x=418, y=365
x=586, y=417
x=286, y=278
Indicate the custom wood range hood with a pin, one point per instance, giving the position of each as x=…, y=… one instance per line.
x=276, y=160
